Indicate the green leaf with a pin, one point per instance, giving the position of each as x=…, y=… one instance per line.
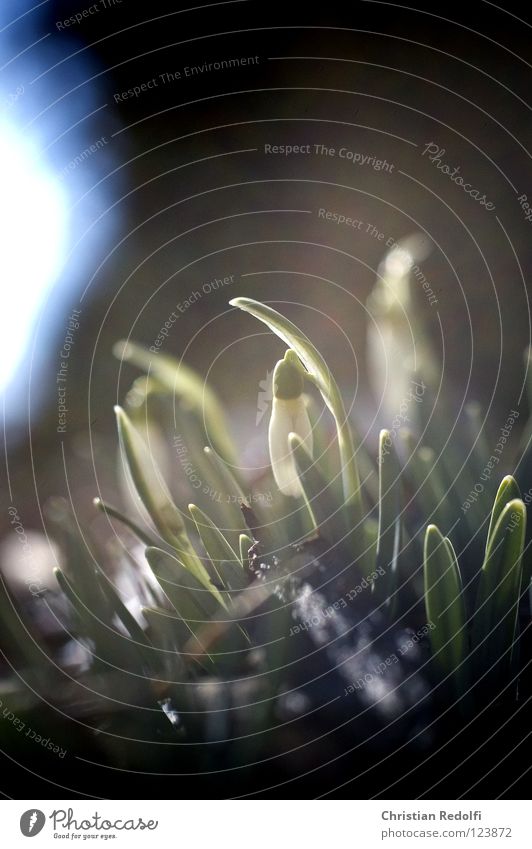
x=234, y=578
x=78, y=557
x=214, y=542
x=186, y=385
x=445, y=608
x=371, y=530
x=169, y=634
x=163, y=625
x=177, y=580
x=110, y=647
x=232, y=494
x=109, y=510
x=389, y=535
x=231, y=484
x=148, y=481
x=155, y=496
x=495, y=621
x=193, y=604
x=119, y=608
x=327, y=512
x=508, y=490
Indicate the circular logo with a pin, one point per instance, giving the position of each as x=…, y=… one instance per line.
x=32, y=822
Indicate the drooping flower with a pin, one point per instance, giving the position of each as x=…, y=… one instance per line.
x=289, y=415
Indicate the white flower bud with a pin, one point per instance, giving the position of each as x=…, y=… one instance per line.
x=289, y=415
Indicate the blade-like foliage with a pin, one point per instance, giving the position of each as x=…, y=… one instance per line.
x=183, y=383
x=177, y=582
x=389, y=534
x=155, y=496
x=508, y=491
x=495, y=620
x=109, y=510
x=445, y=608
x=214, y=542
x=327, y=512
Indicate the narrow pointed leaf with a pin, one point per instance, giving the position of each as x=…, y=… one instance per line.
x=231, y=494
x=111, y=511
x=148, y=481
x=191, y=602
x=213, y=540
x=231, y=483
x=119, y=608
x=508, y=490
x=78, y=557
x=371, y=530
x=327, y=512
x=187, y=594
x=389, y=535
x=111, y=647
x=165, y=627
x=182, y=382
x=445, y=609
x=234, y=578
x=495, y=621
x=156, y=497
x=170, y=633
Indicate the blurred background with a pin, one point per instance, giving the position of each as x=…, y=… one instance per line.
x=158, y=161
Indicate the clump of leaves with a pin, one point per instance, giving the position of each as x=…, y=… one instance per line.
x=259, y=602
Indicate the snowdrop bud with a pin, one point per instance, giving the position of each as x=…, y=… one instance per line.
x=289, y=415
